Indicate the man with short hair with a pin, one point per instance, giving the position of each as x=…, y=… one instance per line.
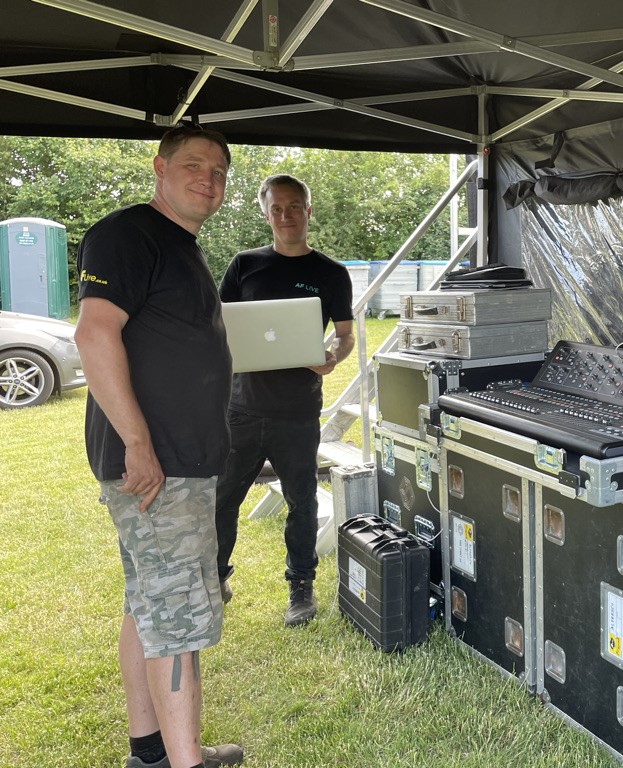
x=149, y=309
x=274, y=414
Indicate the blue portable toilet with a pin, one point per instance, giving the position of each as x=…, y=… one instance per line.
x=33, y=267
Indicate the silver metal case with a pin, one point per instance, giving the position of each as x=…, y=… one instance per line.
x=469, y=341
x=484, y=307
x=355, y=491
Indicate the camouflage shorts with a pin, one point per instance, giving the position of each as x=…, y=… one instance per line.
x=169, y=560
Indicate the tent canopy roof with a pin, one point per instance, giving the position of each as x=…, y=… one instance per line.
x=389, y=75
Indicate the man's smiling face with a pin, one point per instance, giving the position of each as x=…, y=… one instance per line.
x=287, y=215
x=190, y=185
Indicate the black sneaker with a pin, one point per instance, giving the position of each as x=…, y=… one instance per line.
x=135, y=762
x=226, y=592
x=302, y=604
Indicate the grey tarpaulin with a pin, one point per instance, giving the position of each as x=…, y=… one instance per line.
x=567, y=229
x=561, y=190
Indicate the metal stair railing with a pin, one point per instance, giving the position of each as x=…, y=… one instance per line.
x=362, y=386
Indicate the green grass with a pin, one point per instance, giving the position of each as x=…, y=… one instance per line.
x=314, y=696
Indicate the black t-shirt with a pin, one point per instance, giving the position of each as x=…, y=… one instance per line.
x=263, y=273
x=175, y=340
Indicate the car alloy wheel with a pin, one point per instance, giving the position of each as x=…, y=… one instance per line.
x=26, y=379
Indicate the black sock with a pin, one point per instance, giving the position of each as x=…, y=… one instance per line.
x=199, y=765
x=149, y=749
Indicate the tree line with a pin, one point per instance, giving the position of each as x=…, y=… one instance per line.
x=365, y=204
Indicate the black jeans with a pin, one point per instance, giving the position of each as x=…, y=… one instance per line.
x=291, y=446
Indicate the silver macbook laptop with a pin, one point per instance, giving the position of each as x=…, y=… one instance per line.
x=279, y=333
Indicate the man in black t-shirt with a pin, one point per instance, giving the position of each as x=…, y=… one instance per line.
x=274, y=414
x=150, y=310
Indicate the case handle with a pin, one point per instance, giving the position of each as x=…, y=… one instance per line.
x=456, y=342
x=411, y=309
x=425, y=345
x=409, y=344
x=422, y=309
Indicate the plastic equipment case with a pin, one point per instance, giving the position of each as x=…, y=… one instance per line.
x=408, y=492
x=383, y=582
x=477, y=307
x=533, y=548
x=403, y=382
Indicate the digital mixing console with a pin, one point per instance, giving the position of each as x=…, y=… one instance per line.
x=574, y=402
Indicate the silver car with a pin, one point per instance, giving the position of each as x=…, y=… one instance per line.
x=38, y=356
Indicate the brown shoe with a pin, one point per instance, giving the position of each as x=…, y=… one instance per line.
x=212, y=757
x=224, y=754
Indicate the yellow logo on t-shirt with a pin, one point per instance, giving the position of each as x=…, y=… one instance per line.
x=85, y=277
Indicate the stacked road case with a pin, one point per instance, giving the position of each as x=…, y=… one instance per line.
x=532, y=546
x=408, y=492
x=407, y=462
x=475, y=324
x=525, y=536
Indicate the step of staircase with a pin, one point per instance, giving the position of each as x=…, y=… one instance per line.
x=354, y=409
x=340, y=453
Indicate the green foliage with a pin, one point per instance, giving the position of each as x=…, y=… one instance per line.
x=72, y=181
x=365, y=204
x=239, y=224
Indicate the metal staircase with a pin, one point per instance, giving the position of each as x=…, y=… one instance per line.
x=356, y=401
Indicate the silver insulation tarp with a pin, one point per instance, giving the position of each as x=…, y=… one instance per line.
x=577, y=252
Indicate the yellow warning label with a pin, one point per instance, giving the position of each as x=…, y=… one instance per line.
x=614, y=645
x=362, y=595
x=469, y=532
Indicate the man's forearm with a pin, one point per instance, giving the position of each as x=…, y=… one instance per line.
x=342, y=346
